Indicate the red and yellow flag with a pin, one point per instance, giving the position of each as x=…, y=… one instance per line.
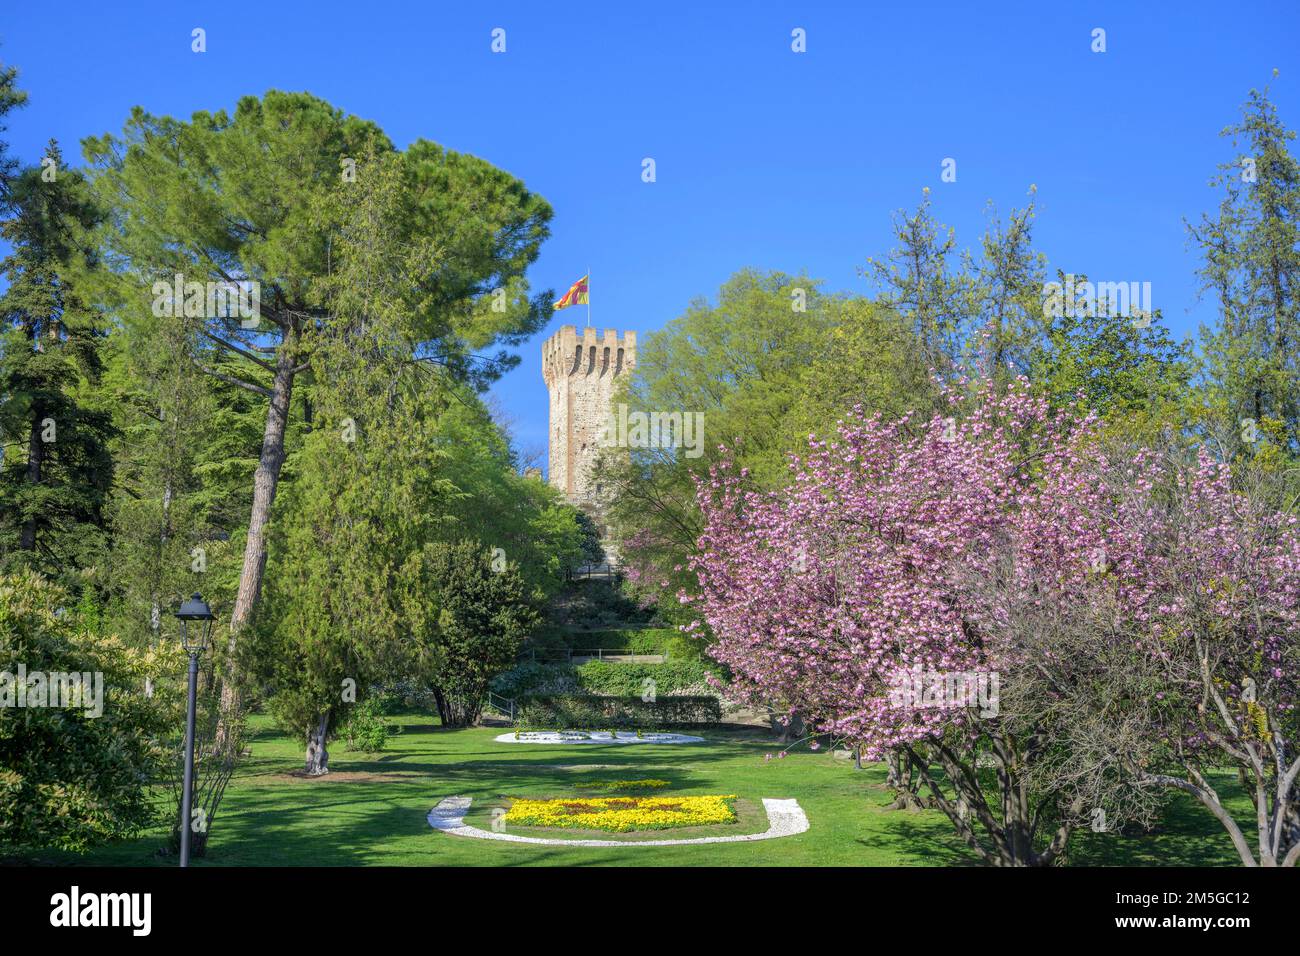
x=577, y=294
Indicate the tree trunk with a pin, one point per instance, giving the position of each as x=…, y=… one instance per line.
x=1277, y=820
x=198, y=841
x=1008, y=831
x=155, y=609
x=456, y=710
x=900, y=776
x=265, y=480
x=318, y=756
x=788, y=727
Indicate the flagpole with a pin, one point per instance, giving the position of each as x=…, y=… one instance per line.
x=588, y=296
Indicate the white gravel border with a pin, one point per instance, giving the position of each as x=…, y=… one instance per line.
x=784, y=818
x=564, y=738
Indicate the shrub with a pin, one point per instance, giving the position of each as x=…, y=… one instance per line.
x=595, y=604
x=365, y=728
x=637, y=640
x=590, y=711
x=679, y=647
x=77, y=774
x=409, y=694
x=612, y=678
x=654, y=640
x=546, y=640
x=531, y=678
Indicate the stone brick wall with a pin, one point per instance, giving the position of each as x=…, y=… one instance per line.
x=581, y=370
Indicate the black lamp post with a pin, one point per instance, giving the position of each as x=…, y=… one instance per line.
x=194, y=641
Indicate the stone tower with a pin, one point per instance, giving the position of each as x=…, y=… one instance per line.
x=581, y=370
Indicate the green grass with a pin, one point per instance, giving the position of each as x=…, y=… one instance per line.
x=371, y=809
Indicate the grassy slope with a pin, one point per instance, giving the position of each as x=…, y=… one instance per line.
x=371, y=810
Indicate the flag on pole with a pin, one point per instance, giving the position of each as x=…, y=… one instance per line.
x=577, y=294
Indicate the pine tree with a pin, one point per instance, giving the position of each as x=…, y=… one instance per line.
x=56, y=471
x=1251, y=265
x=360, y=504
x=918, y=284
x=1006, y=284
x=247, y=198
x=11, y=98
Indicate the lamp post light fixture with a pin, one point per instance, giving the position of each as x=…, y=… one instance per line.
x=196, y=624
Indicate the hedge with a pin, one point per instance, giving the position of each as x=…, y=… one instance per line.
x=673, y=677
x=592, y=712
x=626, y=680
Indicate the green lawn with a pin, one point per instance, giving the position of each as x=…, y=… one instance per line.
x=371, y=809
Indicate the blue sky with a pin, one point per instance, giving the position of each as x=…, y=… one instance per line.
x=764, y=157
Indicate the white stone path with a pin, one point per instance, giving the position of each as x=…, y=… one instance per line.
x=593, y=737
x=784, y=818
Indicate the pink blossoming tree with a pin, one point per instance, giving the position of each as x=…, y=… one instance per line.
x=1019, y=615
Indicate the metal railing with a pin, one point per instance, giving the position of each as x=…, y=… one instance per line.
x=505, y=706
x=614, y=654
x=599, y=572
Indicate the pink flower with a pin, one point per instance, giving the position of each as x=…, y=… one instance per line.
x=920, y=539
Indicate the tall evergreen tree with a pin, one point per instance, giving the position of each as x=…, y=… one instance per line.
x=167, y=416
x=368, y=483
x=1007, y=296
x=245, y=198
x=56, y=470
x=474, y=614
x=11, y=98
x=1250, y=252
x=918, y=282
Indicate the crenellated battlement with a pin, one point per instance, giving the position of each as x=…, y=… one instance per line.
x=589, y=352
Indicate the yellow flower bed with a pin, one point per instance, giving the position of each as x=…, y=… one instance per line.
x=621, y=814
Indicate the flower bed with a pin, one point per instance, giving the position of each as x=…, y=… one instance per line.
x=623, y=814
